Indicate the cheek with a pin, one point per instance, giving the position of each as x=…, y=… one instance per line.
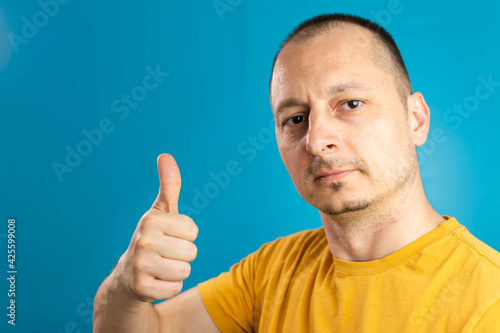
x=394, y=150
x=294, y=157
x=378, y=146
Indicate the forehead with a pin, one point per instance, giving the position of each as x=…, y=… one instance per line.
x=345, y=53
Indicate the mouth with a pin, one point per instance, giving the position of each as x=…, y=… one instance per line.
x=331, y=176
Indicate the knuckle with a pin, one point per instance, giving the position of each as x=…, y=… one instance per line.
x=146, y=219
x=151, y=218
x=185, y=270
x=194, y=231
x=191, y=227
x=176, y=287
x=138, y=266
x=144, y=243
x=140, y=286
x=192, y=251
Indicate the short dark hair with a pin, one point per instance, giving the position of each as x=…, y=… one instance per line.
x=323, y=23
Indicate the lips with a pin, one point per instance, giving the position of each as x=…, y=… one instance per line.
x=332, y=175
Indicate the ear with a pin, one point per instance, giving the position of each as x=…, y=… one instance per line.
x=419, y=116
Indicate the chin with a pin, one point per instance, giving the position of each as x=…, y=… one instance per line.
x=349, y=206
x=334, y=198
x=344, y=210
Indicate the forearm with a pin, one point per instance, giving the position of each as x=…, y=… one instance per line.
x=115, y=310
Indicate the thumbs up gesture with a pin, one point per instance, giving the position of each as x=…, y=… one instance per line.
x=157, y=259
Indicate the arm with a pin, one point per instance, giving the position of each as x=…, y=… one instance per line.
x=117, y=311
x=185, y=313
x=153, y=267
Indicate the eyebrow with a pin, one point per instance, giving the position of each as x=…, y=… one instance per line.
x=331, y=91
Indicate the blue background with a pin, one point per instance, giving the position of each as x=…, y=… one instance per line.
x=65, y=77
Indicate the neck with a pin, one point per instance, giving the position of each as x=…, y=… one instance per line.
x=381, y=229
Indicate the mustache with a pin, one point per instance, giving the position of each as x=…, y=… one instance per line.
x=336, y=163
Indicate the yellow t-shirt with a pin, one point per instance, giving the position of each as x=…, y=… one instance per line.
x=445, y=281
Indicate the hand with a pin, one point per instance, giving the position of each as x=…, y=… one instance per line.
x=157, y=259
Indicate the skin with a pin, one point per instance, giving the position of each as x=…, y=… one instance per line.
x=376, y=204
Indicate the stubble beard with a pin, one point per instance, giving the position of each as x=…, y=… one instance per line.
x=347, y=207
x=406, y=175
x=351, y=205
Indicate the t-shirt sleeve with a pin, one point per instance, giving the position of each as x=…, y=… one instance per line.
x=229, y=297
x=490, y=320
x=234, y=299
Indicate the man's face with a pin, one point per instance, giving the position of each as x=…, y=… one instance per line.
x=343, y=118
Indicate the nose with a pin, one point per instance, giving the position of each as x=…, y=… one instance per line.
x=323, y=134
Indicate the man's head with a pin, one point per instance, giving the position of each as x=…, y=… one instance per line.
x=384, y=50
x=342, y=103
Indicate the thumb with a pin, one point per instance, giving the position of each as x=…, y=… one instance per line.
x=170, y=184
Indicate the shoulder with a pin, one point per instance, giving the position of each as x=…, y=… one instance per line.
x=483, y=253
x=477, y=268
x=291, y=245
x=490, y=319
x=277, y=260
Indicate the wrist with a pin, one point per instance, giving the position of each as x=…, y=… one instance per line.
x=118, y=285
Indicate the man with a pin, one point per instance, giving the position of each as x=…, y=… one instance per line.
x=347, y=124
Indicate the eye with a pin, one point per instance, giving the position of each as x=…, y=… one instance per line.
x=352, y=104
x=295, y=120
